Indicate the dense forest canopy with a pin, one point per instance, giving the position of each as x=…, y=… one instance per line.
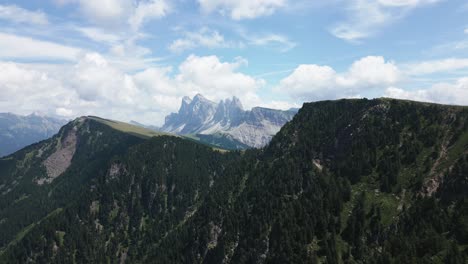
x=347, y=181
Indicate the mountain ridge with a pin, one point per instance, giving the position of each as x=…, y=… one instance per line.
x=17, y=131
x=253, y=128
x=344, y=182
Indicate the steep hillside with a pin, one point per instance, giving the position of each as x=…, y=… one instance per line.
x=351, y=181
x=46, y=176
x=227, y=120
x=17, y=132
x=348, y=181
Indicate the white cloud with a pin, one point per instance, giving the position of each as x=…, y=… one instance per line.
x=148, y=10
x=466, y=30
x=447, y=93
x=25, y=90
x=242, y=9
x=92, y=86
x=283, y=105
x=374, y=76
x=315, y=82
x=205, y=37
x=449, y=48
x=366, y=17
x=18, y=47
x=372, y=70
x=94, y=79
x=117, y=13
x=209, y=38
x=157, y=81
x=123, y=50
x=105, y=11
x=406, y=3
x=276, y=41
x=17, y=14
x=95, y=86
x=217, y=80
x=436, y=66
x=61, y=111
x=99, y=35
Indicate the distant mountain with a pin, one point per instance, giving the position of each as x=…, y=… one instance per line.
x=346, y=181
x=228, y=120
x=151, y=127
x=17, y=131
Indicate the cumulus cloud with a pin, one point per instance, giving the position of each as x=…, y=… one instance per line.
x=92, y=86
x=316, y=82
x=94, y=80
x=26, y=90
x=447, y=93
x=207, y=75
x=366, y=17
x=216, y=79
x=242, y=9
x=17, y=14
x=436, y=66
x=95, y=86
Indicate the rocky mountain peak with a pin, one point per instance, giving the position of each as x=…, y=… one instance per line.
x=200, y=99
x=234, y=103
x=202, y=116
x=186, y=100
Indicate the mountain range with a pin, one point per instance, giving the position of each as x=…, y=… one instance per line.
x=227, y=121
x=17, y=131
x=346, y=181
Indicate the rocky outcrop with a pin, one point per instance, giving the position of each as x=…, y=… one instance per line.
x=59, y=161
x=254, y=128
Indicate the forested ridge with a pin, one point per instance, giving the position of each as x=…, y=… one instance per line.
x=347, y=181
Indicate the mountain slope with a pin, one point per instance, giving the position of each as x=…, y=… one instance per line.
x=16, y=131
x=335, y=185
x=348, y=181
x=48, y=175
x=202, y=117
x=142, y=197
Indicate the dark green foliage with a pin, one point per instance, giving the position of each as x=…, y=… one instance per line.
x=348, y=181
x=24, y=202
x=222, y=141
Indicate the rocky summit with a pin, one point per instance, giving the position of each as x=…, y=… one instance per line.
x=228, y=119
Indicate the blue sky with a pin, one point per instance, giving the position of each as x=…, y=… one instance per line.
x=136, y=59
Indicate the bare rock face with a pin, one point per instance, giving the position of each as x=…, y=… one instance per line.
x=254, y=128
x=59, y=161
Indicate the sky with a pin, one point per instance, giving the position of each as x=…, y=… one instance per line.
x=136, y=59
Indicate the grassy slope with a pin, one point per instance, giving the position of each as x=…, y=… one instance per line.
x=130, y=129
x=148, y=133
